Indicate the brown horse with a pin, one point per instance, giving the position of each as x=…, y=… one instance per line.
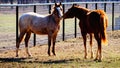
x=42, y=25
x=91, y=22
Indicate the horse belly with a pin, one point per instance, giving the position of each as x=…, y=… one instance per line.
x=41, y=31
x=90, y=30
x=39, y=26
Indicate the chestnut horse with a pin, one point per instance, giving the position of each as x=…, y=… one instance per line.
x=42, y=25
x=92, y=22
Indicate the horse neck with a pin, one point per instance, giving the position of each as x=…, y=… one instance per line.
x=81, y=13
x=55, y=18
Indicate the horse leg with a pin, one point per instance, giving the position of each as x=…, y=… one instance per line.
x=54, y=40
x=49, y=43
x=98, y=57
x=19, y=41
x=26, y=43
x=84, y=40
x=91, y=46
x=99, y=50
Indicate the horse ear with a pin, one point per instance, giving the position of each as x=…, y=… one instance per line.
x=74, y=5
x=60, y=3
x=55, y=4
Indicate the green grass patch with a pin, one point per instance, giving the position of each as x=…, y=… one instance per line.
x=7, y=22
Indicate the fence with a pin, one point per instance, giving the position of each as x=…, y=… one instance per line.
x=109, y=7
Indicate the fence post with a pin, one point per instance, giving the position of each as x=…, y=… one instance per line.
x=17, y=15
x=75, y=27
x=112, y=16
x=34, y=36
x=49, y=9
x=86, y=5
x=105, y=7
x=63, y=37
x=95, y=5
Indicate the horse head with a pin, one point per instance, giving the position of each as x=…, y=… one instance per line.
x=58, y=10
x=71, y=12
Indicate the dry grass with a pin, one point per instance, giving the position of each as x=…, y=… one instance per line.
x=69, y=55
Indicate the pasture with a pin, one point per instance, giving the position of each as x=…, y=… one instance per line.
x=7, y=30
x=69, y=54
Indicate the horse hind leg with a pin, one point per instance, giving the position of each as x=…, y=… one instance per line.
x=91, y=45
x=98, y=54
x=19, y=41
x=84, y=40
x=28, y=34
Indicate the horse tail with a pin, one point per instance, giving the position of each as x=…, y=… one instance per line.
x=20, y=22
x=103, y=25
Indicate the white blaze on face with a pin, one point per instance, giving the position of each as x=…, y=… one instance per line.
x=60, y=12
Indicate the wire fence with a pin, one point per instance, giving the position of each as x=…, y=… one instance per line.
x=9, y=15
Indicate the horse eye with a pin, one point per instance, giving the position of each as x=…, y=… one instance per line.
x=68, y=9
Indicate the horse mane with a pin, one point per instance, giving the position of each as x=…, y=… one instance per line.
x=101, y=12
x=82, y=8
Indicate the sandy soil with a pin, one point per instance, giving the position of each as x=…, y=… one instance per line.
x=71, y=48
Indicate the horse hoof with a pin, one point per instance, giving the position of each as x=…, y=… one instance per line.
x=95, y=59
x=85, y=57
x=99, y=60
x=54, y=54
x=49, y=55
x=16, y=55
x=29, y=55
x=91, y=57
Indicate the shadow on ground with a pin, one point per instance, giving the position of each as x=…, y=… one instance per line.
x=29, y=60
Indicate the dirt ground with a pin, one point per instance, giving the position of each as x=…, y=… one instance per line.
x=67, y=50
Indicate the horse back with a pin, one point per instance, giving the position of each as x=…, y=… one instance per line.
x=33, y=22
x=103, y=17
x=38, y=24
x=95, y=18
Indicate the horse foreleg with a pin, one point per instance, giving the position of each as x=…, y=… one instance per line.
x=18, y=42
x=49, y=43
x=53, y=48
x=26, y=42
x=54, y=40
x=84, y=40
x=91, y=46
